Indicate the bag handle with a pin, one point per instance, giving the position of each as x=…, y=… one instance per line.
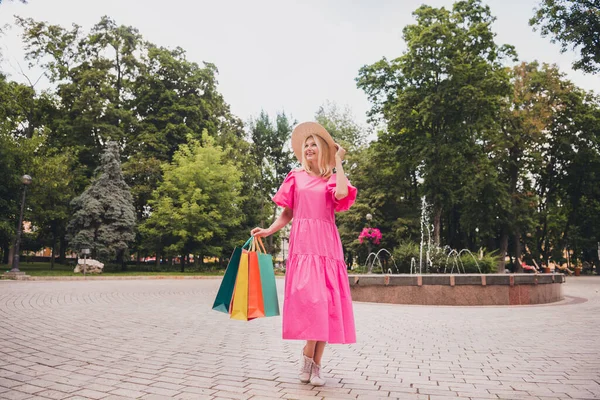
x=255, y=244
x=260, y=246
x=248, y=242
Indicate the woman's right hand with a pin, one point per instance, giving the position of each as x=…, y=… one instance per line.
x=260, y=232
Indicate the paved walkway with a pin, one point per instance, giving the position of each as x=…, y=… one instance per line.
x=159, y=339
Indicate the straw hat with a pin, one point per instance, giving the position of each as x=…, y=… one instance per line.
x=305, y=129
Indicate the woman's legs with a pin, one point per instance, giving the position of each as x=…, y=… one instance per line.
x=310, y=370
x=319, y=349
x=314, y=349
x=309, y=348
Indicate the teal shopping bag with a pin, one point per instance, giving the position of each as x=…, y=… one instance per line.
x=225, y=293
x=267, y=280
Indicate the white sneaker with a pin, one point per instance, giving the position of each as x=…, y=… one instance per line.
x=306, y=364
x=315, y=375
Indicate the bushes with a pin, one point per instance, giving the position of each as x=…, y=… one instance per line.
x=441, y=263
x=487, y=262
x=403, y=255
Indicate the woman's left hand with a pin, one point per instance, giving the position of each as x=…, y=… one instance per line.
x=260, y=232
x=341, y=153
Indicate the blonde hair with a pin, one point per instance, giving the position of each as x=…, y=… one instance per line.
x=323, y=162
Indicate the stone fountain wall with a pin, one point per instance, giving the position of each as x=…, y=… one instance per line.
x=458, y=290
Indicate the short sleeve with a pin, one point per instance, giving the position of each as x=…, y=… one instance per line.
x=285, y=195
x=345, y=203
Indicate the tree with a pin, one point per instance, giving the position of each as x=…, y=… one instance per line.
x=173, y=99
x=196, y=204
x=341, y=125
x=104, y=217
x=49, y=198
x=386, y=192
x=93, y=75
x=110, y=84
x=273, y=159
x=573, y=24
x=18, y=145
x=440, y=98
x=571, y=179
x=523, y=149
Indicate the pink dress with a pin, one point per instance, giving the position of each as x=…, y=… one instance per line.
x=317, y=303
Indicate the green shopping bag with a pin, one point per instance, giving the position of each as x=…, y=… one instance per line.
x=267, y=279
x=223, y=300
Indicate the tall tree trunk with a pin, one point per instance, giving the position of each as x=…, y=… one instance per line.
x=63, y=249
x=11, y=254
x=503, y=251
x=518, y=250
x=515, y=154
x=52, y=250
x=5, y=251
x=543, y=245
x=414, y=186
x=437, y=224
x=121, y=260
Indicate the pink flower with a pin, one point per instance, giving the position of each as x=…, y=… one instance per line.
x=371, y=234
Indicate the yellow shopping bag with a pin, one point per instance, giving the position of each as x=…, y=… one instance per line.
x=239, y=307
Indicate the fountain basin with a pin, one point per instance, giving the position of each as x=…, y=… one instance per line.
x=458, y=289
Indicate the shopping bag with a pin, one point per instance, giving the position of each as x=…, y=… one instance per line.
x=225, y=294
x=239, y=303
x=267, y=278
x=256, y=307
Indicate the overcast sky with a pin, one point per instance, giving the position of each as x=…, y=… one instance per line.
x=278, y=54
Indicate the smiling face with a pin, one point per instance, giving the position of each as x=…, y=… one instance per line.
x=311, y=151
x=315, y=156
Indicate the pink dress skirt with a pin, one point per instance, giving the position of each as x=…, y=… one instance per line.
x=317, y=302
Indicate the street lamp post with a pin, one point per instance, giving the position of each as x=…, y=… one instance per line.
x=26, y=180
x=85, y=253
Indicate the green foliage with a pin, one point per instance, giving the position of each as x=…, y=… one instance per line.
x=341, y=125
x=19, y=140
x=51, y=193
x=273, y=159
x=404, y=253
x=439, y=98
x=573, y=24
x=485, y=262
x=104, y=217
x=270, y=152
x=111, y=84
x=197, y=203
x=444, y=261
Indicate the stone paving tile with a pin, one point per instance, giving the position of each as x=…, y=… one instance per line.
x=90, y=394
x=28, y=389
x=15, y=395
x=179, y=348
x=53, y=394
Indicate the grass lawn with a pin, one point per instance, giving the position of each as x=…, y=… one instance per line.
x=43, y=269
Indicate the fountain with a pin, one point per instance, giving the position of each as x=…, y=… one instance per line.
x=425, y=249
x=450, y=283
x=375, y=257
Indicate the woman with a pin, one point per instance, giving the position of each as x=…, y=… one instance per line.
x=317, y=304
